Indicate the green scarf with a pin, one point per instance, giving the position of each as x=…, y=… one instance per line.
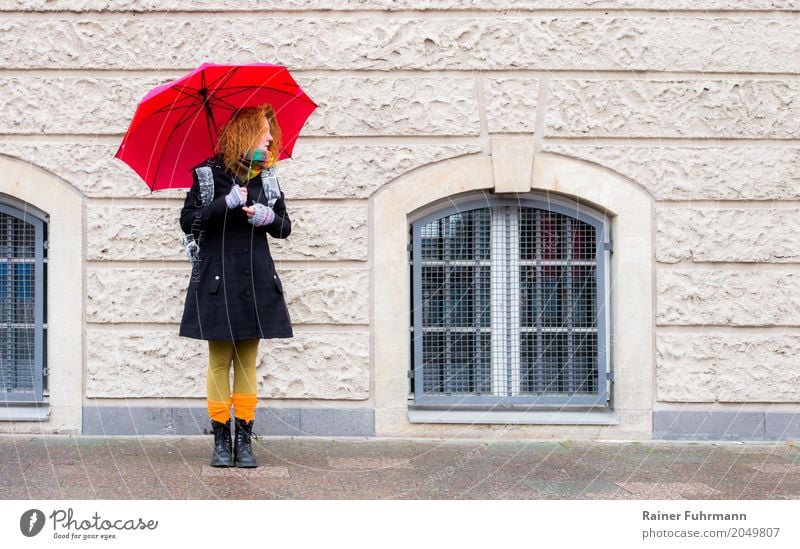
x=251, y=164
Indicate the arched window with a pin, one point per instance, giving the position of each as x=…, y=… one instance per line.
x=509, y=304
x=22, y=325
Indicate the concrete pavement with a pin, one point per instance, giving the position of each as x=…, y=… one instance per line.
x=160, y=467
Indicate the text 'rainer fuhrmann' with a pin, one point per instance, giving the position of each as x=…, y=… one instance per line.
x=692, y=515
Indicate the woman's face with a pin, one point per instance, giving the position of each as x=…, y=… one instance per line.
x=265, y=139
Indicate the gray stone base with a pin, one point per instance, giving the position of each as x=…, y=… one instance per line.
x=738, y=426
x=119, y=420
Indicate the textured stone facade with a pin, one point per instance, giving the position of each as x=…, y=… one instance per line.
x=320, y=232
x=388, y=5
x=715, y=171
x=695, y=104
x=157, y=364
x=152, y=295
x=728, y=367
x=696, y=108
x=477, y=42
x=746, y=296
x=720, y=234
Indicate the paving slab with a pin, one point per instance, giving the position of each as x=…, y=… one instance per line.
x=177, y=467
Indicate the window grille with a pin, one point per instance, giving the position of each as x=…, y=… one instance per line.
x=21, y=305
x=508, y=305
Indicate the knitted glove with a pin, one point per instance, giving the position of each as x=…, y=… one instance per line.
x=264, y=215
x=234, y=199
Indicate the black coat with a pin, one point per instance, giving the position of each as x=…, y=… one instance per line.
x=234, y=291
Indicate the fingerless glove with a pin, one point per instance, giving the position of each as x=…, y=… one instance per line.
x=234, y=199
x=264, y=215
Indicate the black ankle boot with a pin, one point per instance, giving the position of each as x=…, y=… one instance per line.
x=222, y=455
x=242, y=452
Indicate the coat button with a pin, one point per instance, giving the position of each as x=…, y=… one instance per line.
x=216, y=278
x=247, y=293
x=247, y=271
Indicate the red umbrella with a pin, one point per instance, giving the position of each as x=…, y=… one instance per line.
x=176, y=125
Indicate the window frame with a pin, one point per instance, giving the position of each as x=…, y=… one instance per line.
x=39, y=220
x=550, y=203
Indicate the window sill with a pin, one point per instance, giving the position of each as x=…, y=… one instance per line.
x=586, y=416
x=24, y=411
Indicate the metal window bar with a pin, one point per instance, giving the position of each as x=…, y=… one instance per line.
x=512, y=298
x=21, y=307
x=453, y=267
x=561, y=311
x=500, y=348
x=569, y=364
x=508, y=308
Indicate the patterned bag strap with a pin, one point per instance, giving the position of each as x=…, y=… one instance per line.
x=269, y=180
x=206, y=180
x=191, y=245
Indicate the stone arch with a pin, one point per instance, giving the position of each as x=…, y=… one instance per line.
x=511, y=168
x=22, y=182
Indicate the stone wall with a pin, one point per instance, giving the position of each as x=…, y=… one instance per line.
x=697, y=102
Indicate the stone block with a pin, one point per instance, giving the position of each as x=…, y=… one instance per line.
x=321, y=232
x=34, y=104
x=136, y=295
x=472, y=41
x=126, y=420
x=134, y=232
x=314, y=295
x=511, y=104
x=159, y=364
x=727, y=235
x=347, y=104
x=727, y=367
x=727, y=172
x=326, y=232
x=691, y=108
x=318, y=169
x=272, y=421
x=728, y=297
x=339, y=170
x=673, y=425
x=337, y=422
x=327, y=296
x=783, y=426
x=512, y=164
x=167, y=6
x=190, y=420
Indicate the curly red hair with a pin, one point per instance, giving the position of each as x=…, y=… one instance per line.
x=243, y=131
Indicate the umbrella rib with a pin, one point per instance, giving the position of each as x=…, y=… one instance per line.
x=209, y=114
x=185, y=117
x=182, y=89
x=171, y=106
x=174, y=106
x=245, y=88
x=224, y=78
x=192, y=93
x=221, y=103
x=212, y=97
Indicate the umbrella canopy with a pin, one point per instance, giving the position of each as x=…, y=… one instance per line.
x=176, y=125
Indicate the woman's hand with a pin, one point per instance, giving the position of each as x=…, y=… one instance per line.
x=259, y=215
x=237, y=196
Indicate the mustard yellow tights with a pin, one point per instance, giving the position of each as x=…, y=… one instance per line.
x=242, y=354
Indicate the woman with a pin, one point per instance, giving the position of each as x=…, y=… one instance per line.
x=235, y=297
